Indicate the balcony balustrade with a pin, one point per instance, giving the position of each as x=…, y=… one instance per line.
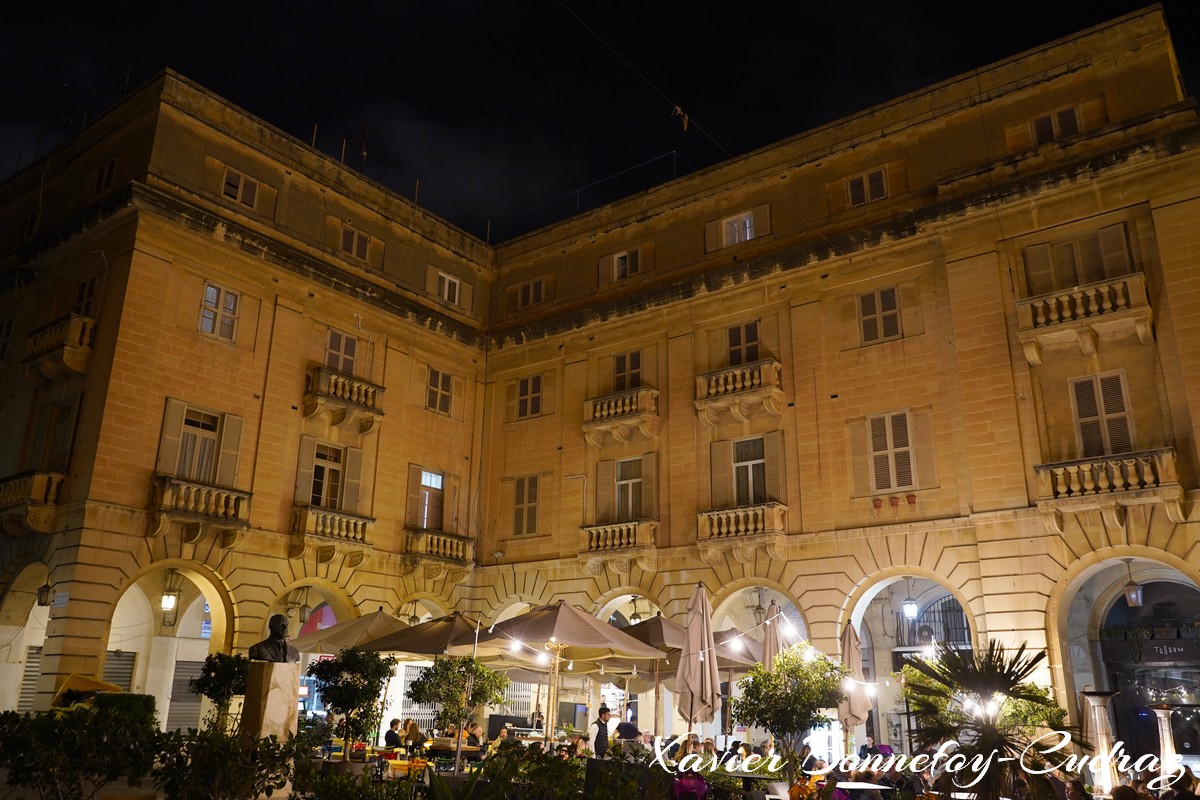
x=1083, y=315
x=1109, y=485
x=435, y=552
x=198, y=507
x=743, y=392
x=29, y=502
x=625, y=416
x=348, y=400
x=329, y=531
x=60, y=349
x=618, y=545
x=742, y=531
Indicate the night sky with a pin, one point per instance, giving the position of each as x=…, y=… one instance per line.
x=521, y=113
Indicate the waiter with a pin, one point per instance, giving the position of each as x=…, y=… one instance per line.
x=600, y=737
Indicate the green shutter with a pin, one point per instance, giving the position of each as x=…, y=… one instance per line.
x=231, y=443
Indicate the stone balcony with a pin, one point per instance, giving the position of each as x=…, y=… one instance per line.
x=625, y=416
x=29, y=502
x=1109, y=485
x=742, y=531
x=198, y=508
x=327, y=532
x=56, y=351
x=436, y=552
x=346, y=399
x=743, y=392
x=618, y=545
x=1083, y=315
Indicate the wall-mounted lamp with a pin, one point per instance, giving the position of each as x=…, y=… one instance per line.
x=45, y=594
x=169, y=602
x=1133, y=589
x=909, y=605
x=759, y=612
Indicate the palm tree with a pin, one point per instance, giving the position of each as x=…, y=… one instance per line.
x=983, y=702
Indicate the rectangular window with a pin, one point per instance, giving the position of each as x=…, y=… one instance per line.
x=104, y=176
x=867, y=188
x=55, y=435
x=448, y=288
x=1102, y=415
x=1055, y=127
x=629, y=490
x=525, y=505
x=737, y=229
x=85, y=296
x=743, y=344
x=437, y=391
x=240, y=187
x=219, y=312
x=327, y=477
x=625, y=265
x=531, y=293
x=354, y=242
x=627, y=371
x=198, y=447
x=749, y=472
x=529, y=397
x=341, y=351
x=6, y=334
x=879, y=315
x=1067, y=263
x=429, y=504
x=891, y=452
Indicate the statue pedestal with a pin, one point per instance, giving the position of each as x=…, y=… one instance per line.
x=272, y=695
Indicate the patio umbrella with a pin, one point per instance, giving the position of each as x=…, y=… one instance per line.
x=563, y=632
x=697, y=682
x=854, y=709
x=351, y=633
x=771, y=644
x=453, y=634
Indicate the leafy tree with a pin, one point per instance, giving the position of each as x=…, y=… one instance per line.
x=351, y=684
x=222, y=678
x=445, y=683
x=982, y=701
x=788, y=700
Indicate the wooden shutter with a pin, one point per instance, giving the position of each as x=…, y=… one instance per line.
x=168, y=448
x=431, y=276
x=231, y=444
x=889, y=312
x=1068, y=122
x=62, y=435
x=1043, y=130
x=901, y=450
x=606, y=270
x=1039, y=279
x=857, y=191
x=881, y=463
x=466, y=296
x=1114, y=250
x=650, y=486
x=868, y=315
x=924, y=459
x=304, y=469
x=720, y=457
x=773, y=456
x=412, y=509
x=876, y=187
x=1087, y=415
x=605, y=472
x=1116, y=414
x=762, y=219
x=510, y=400
x=712, y=236
x=352, y=480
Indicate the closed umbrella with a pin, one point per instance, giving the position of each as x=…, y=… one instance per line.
x=351, y=633
x=772, y=644
x=854, y=709
x=697, y=682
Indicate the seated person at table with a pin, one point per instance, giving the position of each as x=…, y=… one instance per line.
x=451, y=731
x=501, y=737
x=627, y=730
x=475, y=735
x=412, y=733
x=392, y=737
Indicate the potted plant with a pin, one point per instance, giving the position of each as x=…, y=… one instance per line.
x=446, y=682
x=222, y=678
x=350, y=684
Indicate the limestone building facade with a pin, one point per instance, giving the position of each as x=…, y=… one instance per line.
x=944, y=350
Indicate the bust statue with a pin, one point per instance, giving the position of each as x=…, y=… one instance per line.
x=275, y=646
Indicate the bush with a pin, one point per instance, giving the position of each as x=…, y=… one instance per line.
x=214, y=765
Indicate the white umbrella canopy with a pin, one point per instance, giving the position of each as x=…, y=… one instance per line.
x=453, y=634
x=351, y=633
x=579, y=635
x=854, y=709
x=697, y=681
x=772, y=644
